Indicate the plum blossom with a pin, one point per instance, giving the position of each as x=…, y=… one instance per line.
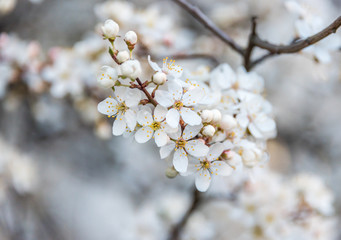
x=183, y=143
x=152, y=126
x=123, y=107
x=169, y=68
x=180, y=102
x=205, y=167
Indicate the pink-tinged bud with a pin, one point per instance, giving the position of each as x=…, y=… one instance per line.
x=130, y=38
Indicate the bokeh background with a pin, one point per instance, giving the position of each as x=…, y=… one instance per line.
x=63, y=176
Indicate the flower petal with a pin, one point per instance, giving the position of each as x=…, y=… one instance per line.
x=196, y=148
x=119, y=125
x=120, y=93
x=215, y=151
x=144, y=134
x=180, y=160
x=160, y=113
x=176, y=134
x=173, y=118
x=193, y=96
x=203, y=180
x=161, y=138
x=164, y=98
x=189, y=116
x=107, y=107
x=132, y=97
x=153, y=65
x=130, y=117
x=175, y=89
x=191, y=131
x=144, y=117
x=166, y=150
x=221, y=168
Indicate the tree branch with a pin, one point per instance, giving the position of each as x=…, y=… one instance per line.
x=248, y=51
x=177, y=229
x=142, y=87
x=201, y=17
x=301, y=44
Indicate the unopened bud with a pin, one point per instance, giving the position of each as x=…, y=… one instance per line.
x=131, y=69
x=228, y=122
x=123, y=56
x=159, y=78
x=110, y=29
x=208, y=131
x=131, y=39
x=206, y=115
x=216, y=116
x=171, y=172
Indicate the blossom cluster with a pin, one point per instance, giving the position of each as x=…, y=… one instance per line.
x=212, y=126
x=271, y=207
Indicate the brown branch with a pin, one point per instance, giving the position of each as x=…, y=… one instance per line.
x=142, y=87
x=201, y=17
x=177, y=229
x=248, y=51
x=301, y=44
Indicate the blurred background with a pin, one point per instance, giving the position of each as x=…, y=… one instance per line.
x=64, y=176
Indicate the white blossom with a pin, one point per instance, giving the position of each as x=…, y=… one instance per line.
x=110, y=29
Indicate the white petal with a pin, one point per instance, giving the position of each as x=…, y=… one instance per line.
x=191, y=131
x=144, y=118
x=120, y=93
x=107, y=107
x=132, y=97
x=193, y=96
x=242, y=120
x=130, y=117
x=167, y=149
x=196, y=148
x=180, y=160
x=119, y=125
x=173, y=118
x=153, y=65
x=176, y=134
x=189, y=116
x=203, y=180
x=160, y=113
x=221, y=168
x=144, y=134
x=193, y=166
x=215, y=151
x=175, y=89
x=161, y=138
x=164, y=98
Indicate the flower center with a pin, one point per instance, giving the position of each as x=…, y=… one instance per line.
x=205, y=164
x=180, y=143
x=155, y=125
x=122, y=107
x=177, y=105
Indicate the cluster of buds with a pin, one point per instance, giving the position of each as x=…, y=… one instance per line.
x=213, y=126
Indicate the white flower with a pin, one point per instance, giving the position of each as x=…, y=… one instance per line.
x=130, y=38
x=110, y=29
x=208, y=131
x=180, y=102
x=216, y=116
x=131, y=69
x=222, y=77
x=107, y=77
x=183, y=145
x=123, y=56
x=205, y=167
x=152, y=125
x=123, y=108
x=253, y=115
x=159, y=78
x=168, y=68
x=251, y=154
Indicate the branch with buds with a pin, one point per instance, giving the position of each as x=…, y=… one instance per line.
x=255, y=40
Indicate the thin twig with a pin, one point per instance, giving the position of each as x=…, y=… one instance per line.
x=201, y=17
x=248, y=52
x=301, y=44
x=177, y=229
x=142, y=87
